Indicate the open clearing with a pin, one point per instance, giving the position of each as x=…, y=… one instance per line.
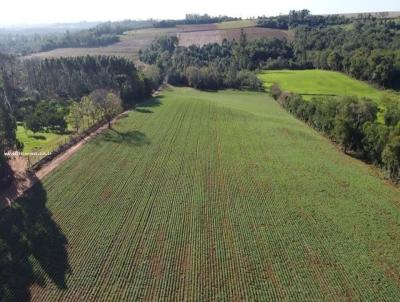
x=40, y=141
x=132, y=41
x=311, y=83
x=237, y=24
x=201, y=196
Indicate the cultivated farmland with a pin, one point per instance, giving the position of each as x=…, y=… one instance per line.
x=214, y=196
x=129, y=46
x=132, y=41
x=311, y=83
x=217, y=36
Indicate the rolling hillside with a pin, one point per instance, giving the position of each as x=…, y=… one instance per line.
x=131, y=42
x=205, y=196
x=311, y=83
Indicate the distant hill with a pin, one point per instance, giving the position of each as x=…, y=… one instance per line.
x=47, y=28
x=384, y=15
x=132, y=41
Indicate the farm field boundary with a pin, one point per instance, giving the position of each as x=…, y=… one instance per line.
x=223, y=195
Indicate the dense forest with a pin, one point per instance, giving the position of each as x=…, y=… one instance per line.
x=215, y=66
x=366, y=47
x=301, y=18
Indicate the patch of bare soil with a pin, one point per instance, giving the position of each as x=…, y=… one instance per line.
x=23, y=180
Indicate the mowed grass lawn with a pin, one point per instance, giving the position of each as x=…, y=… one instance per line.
x=40, y=141
x=311, y=83
x=221, y=196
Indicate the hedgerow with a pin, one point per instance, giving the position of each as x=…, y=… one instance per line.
x=352, y=123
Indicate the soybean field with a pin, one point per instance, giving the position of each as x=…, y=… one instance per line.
x=213, y=196
x=310, y=83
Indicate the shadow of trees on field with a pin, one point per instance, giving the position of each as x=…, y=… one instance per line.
x=29, y=239
x=131, y=138
x=38, y=137
x=143, y=110
x=152, y=102
x=318, y=94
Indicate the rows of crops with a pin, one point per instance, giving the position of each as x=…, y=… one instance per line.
x=220, y=196
x=310, y=83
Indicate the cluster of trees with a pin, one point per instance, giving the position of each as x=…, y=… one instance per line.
x=46, y=116
x=215, y=66
x=64, y=80
x=194, y=19
x=301, y=18
x=367, y=49
x=75, y=77
x=41, y=94
x=352, y=123
x=101, y=105
x=101, y=35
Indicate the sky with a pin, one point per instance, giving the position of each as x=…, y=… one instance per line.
x=17, y=12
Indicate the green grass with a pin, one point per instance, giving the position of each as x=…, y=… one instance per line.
x=320, y=82
x=214, y=197
x=236, y=24
x=40, y=141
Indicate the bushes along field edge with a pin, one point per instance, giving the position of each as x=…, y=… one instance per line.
x=352, y=123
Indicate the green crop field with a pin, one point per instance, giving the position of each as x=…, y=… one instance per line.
x=321, y=82
x=212, y=196
x=236, y=24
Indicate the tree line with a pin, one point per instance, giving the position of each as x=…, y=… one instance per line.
x=54, y=85
x=301, y=18
x=367, y=49
x=353, y=123
x=192, y=19
x=216, y=66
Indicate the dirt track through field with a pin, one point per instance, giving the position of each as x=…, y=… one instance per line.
x=24, y=180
